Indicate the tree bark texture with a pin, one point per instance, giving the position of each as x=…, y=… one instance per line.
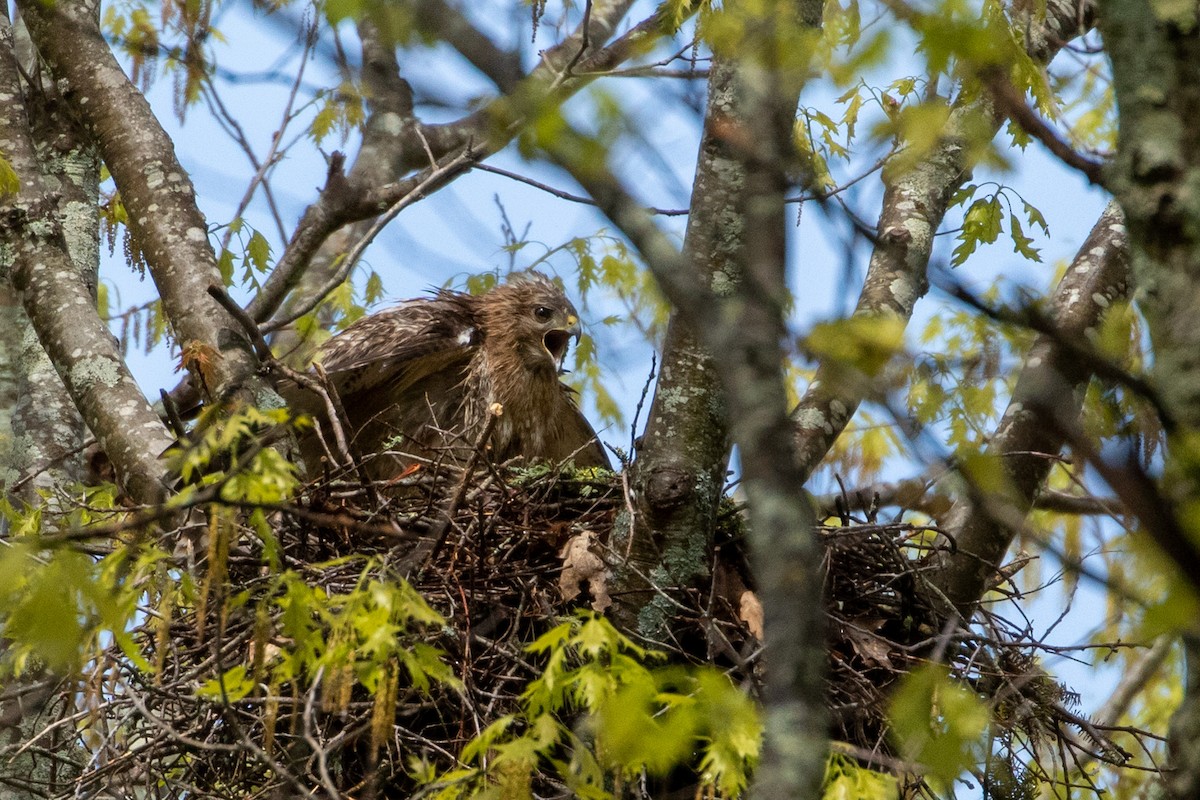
x=395, y=141
x=1155, y=53
x=51, y=434
x=62, y=308
x=164, y=220
x=680, y=468
x=738, y=315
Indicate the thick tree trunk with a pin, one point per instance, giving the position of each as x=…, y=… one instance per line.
x=49, y=445
x=43, y=432
x=1155, y=56
x=164, y=220
x=680, y=468
x=61, y=304
x=738, y=316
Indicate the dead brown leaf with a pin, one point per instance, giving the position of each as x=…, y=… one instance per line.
x=580, y=566
x=750, y=611
x=873, y=650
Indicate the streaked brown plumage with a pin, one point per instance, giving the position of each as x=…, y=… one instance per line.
x=419, y=379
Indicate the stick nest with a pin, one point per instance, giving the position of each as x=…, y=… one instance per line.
x=489, y=555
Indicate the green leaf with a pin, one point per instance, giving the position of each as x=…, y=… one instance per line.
x=259, y=251
x=374, y=289
x=1020, y=137
x=1022, y=244
x=962, y=194
x=938, y=722
x=982, y=224
x=637, y=730
x=1035, y=217
x=338, y=10
x=862, y=342
x=845, y=779
x=10, y=184
x=233, y=686
x=225, y=267
x=324, y=120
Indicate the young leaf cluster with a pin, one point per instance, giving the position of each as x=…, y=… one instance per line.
x=637, y=720
x=984, y=222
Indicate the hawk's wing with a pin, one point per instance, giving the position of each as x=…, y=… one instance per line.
x=403, y=345
x=580, y=441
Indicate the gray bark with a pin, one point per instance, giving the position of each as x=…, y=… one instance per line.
x=48, y=431
x=62, y=309
x=164, y=220
x=680, y=468
x=741, y=322
x=1155, y=55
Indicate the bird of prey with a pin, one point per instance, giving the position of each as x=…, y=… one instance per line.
x=420, y=380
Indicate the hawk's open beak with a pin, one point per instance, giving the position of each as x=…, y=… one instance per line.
x=558, y=341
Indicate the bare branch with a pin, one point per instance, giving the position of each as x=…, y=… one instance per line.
x=1013, y=106
x=395, y=141
x=914, y=204
x=1045, y=403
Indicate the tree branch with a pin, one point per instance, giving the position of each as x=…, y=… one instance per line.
x=63, y=310
x=737, y=312
x=1012, y=105
x=394, y=141
x=47, y=432
x=164, y=220
x=914, y=205
x=918, y=494
x=1045, y=403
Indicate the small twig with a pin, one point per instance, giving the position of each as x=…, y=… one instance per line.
x=336, y=412
x=263, y=351
x=564, y=195
x=637, y=411
x=1014, y=106
x=450, y=168
x=172, y=412
x=336, y=407
x=584, y=39
x=630, y=508
x=257, y=341
x=321, y=753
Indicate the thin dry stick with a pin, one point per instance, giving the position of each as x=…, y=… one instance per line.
x=453, y=166
x=263, y=351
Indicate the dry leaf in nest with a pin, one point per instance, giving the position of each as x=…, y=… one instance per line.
x=750, y=611
x=874, y=650
x=581, y=565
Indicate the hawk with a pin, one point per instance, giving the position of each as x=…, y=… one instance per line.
x=419, y=380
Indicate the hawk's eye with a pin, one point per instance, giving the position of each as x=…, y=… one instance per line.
x=543, y=313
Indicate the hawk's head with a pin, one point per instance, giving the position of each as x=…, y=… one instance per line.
x=529, y=321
